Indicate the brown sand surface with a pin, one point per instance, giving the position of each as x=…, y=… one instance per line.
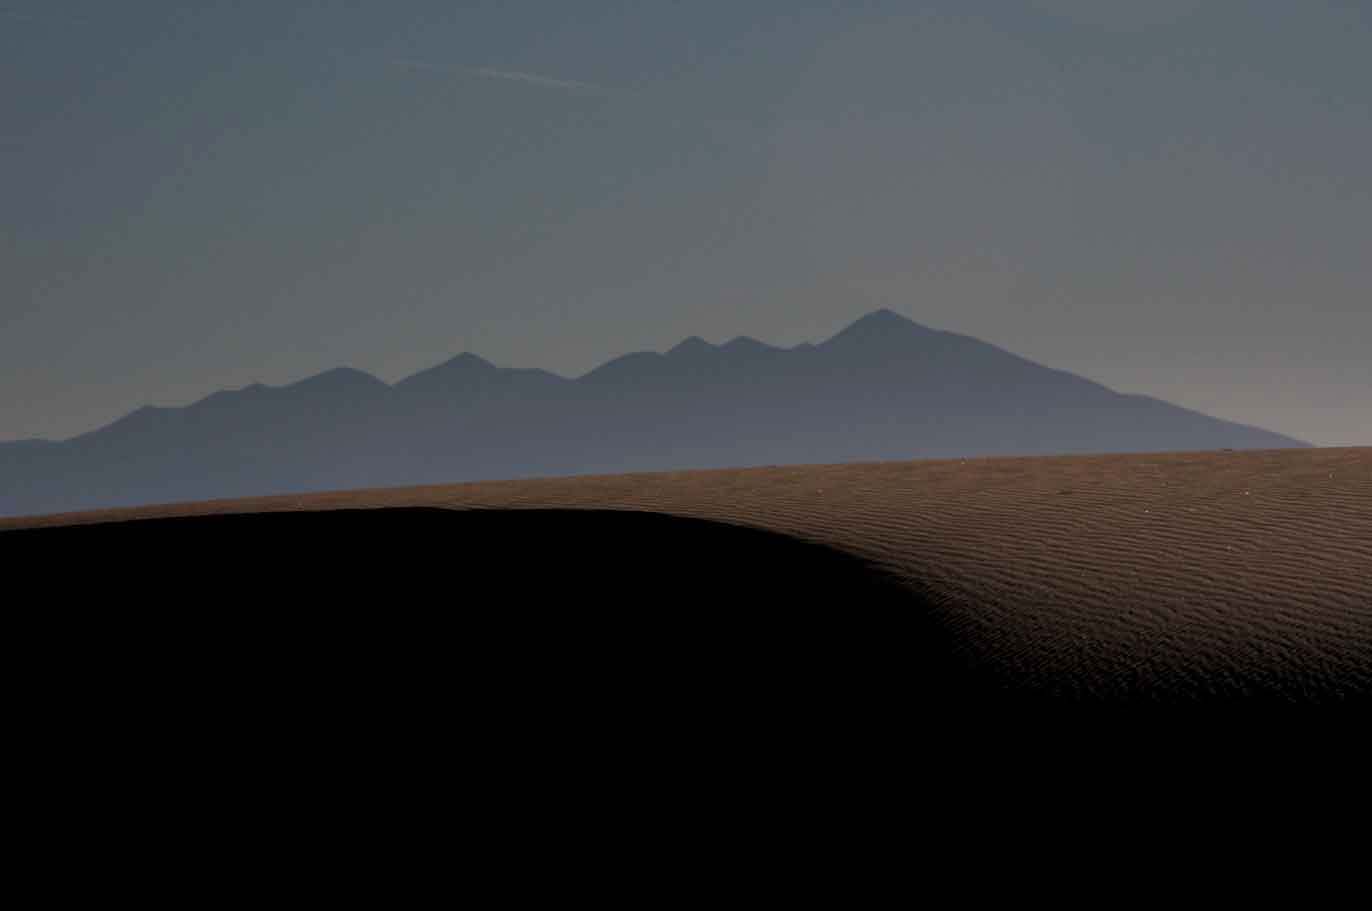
x=1172, y=577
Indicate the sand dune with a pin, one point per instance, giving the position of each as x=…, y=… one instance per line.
x=1174, y=578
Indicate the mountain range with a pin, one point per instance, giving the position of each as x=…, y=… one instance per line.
x=884, y=388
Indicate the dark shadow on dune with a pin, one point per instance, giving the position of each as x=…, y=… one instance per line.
x=563, y=620
x=420, y=682
x=406, y=673
x=526, y=617
x=525, y=694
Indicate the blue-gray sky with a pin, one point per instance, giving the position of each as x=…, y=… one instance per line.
x=1172, y=198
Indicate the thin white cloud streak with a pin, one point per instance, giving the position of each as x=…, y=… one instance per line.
x=534, y=79
x=547, y=82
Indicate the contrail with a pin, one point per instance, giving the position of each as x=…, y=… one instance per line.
x=570, y=85
x=535, y=79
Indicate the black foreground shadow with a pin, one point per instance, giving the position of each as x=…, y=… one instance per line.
x=528, y=616
x=520, y=614
x=374, y=680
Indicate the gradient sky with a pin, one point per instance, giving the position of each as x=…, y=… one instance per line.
x=1172, y=198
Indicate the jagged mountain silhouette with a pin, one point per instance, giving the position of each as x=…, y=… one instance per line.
x=883, y=388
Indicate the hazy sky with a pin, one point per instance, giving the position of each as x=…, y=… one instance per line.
x=1169, y=197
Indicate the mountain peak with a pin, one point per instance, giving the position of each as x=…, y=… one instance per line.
x=467, y=361
x=883, y=318
x=339, y=377
x=879, y=325
x=693, y=345
x=458, y=368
